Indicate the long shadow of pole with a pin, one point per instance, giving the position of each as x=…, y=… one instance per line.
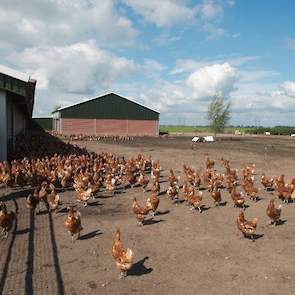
x=6, y=265
x=60, y=285
x=30, y=258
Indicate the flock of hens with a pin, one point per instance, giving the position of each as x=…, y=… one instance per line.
x=48, y=172
x=101, y=138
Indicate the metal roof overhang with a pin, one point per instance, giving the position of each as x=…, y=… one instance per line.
x=22, y=92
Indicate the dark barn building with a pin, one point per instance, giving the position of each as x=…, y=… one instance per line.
x=43, y=124
x=110, y=114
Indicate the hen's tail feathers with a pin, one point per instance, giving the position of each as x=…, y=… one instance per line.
x=129, y=255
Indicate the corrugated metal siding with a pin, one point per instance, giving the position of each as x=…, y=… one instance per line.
x=110, y=127
x=110, y=106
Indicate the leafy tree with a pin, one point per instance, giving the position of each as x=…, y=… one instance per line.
x=218, y=114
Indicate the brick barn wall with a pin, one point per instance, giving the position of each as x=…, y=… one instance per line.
x=146, y=127
x=110, y=127
x=78, y=126
x=105, y=127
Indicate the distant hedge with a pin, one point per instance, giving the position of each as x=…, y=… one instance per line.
x=277, y=130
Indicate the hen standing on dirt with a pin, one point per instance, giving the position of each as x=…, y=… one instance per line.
x=6, y=220
x=73, y=223
x=123, y=258
x=273, y=213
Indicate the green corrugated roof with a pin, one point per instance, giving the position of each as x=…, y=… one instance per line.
x=110, y=106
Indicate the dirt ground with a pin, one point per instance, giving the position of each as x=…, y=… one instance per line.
x=178, y=252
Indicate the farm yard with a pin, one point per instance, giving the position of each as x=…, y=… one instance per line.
x=178, y=251
x=147, y=147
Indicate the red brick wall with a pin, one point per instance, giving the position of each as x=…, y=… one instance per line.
x=139, y=127
x=117, y=127
x=110, y=127
x=77, y=126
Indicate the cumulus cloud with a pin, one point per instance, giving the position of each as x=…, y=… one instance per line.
x=65, y=73
x=152, y=67
x=77, y=68
x=161, y=95
x=206, y=16
x=236, y=35
x=184, y=98
x=213, y=31
x=210, y=9
x=192, y=93
x=58, y=22
x=217, y=79
x=189, y=65
x=248, y=76
x=163, y=13
x=53, y=41
x=164, y=39
x=256, y=98
x=231, y=2
x=263, y=100
x=210, y=12
x=288, y=88
x=173, y=99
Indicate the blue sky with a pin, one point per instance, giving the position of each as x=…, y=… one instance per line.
x=170, y=55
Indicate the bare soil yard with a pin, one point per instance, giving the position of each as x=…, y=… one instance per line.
x=178, y=252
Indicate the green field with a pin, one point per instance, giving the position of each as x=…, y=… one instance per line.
x=190, y=129
x=180, y=128
x=277, y=130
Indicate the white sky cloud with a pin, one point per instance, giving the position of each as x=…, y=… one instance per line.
x=190, y=94
x=206, y=15
x=211, y=12
x=236, y=35
x=59, y=22
x=217, y=79
x=83, y=48
x=214, y=32
x=256, y=75
x=189, y=65
x=210, y=9
x=288, y=88
x=163, y=13
x=75, y=68
x=82, y=69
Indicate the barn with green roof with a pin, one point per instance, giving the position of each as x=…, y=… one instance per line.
x=110, y=114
